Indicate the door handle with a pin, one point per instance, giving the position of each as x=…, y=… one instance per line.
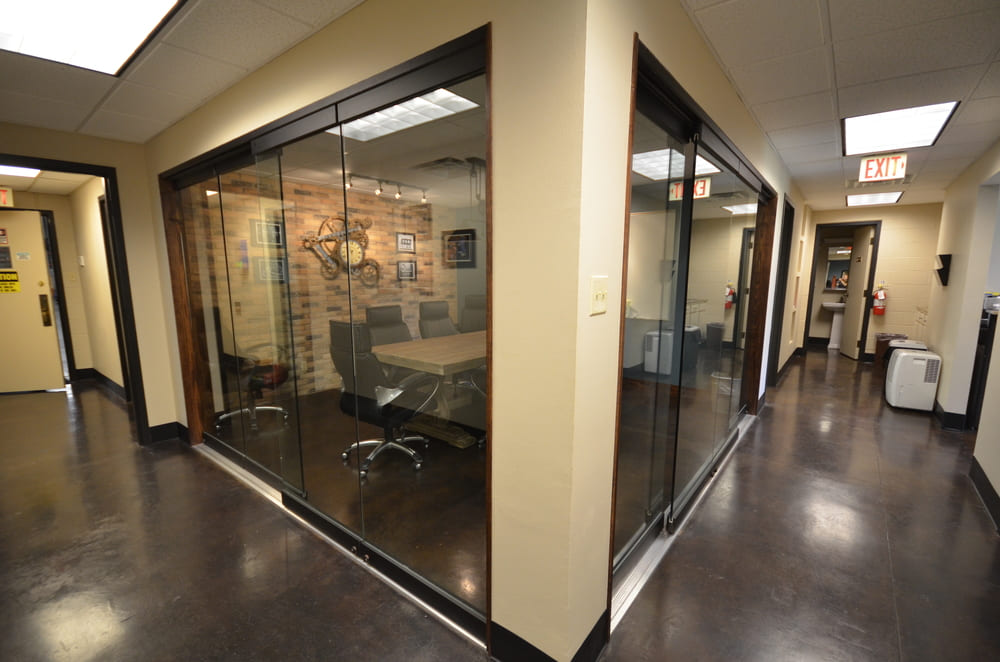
x=43, y=302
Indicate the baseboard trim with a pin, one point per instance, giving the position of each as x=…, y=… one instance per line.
x=868, y=357
x=95, y=375
x=505, y=646
x=813, y=340
x=168, y=431
x=948, y=420
x=986, y=491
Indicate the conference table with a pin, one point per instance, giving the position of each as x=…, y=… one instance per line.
x=444, y=356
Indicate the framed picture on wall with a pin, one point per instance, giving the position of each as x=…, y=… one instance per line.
x=270, y=269
x=269, y=232
x=406, y=270
x=459, y=248
x=406, y=242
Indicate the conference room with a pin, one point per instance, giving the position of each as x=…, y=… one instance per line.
x=340, y=282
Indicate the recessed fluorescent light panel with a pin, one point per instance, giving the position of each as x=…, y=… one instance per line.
x=873, y=199
x=748, y=208
x=896, y=129
x=100, y=35
x=419, y=110
x=14, y=171
x=663, y=164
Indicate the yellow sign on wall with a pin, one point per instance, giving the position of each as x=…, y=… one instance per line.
x=9, y=282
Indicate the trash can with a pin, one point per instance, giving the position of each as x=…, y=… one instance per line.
x=882, y=341
x=713, y=335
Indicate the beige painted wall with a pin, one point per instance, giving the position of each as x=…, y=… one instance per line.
x=143, y=243
x=73, y=300
x=968, y=221
x=95, y=280
x=905, y=262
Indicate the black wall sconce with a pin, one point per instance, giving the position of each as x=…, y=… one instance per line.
x=943, y=267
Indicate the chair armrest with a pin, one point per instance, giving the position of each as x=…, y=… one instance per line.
x=385, y=395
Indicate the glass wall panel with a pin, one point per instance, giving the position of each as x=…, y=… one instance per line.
x=710, y=398
x=389, y=312
x=651, y=358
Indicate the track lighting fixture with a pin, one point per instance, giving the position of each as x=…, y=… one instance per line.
x=399, y=192
x=423, y=197
x=378, y=189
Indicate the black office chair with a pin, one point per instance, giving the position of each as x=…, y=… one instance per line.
x=373, y=398
x=386, y=325
x=474, y=313
x=258, y=367
x=434, y=320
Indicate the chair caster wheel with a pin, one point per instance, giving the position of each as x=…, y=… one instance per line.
x=363, y=472
x=417, y=466
x=344, y=456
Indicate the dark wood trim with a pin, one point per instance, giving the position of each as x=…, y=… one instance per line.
x=489, y=331
x=194, y=366
x=753, y=352
x=987, y=492
x=948, y=420
x=781, y=292
x=102, y=204
x=59, y=288
x=508, y=647
x=621, y=319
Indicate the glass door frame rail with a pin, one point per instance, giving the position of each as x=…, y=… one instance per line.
x=458, y=60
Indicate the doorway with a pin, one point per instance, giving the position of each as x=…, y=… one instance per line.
x=109, y=235
x=843, y=273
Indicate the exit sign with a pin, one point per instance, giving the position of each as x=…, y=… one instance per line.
x=702, y=189
x=6, y=197
x=882, y=168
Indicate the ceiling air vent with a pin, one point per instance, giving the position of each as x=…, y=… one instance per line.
x=855, y=184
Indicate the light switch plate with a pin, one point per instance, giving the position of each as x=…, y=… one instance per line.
x=598, y=295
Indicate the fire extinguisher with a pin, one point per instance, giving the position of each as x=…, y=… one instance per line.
x=878, y=300
x=730, y=295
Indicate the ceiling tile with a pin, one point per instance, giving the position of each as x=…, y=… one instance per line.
x=170, y=69
x=316, y=13
x=807, y=153
x=990, y=85
x=811, y=134
x=922, y=195
x=855, y=18
x=744, y=31
x=131, y=99
x=105, y=124
x=982, y=133
x=941, y=165
x=798, y=111
x=51, y=80
x=946, y=44
x=978, y=111
x=785, y=77
x=239, y=32
x=908, y=91
x=825, y=168
x=24, y=109
x=58, y=183
x=699, y=4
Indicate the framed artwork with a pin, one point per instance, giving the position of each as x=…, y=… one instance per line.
x=459, y=248
x=270, y=232
x=406, y=242
x=406, y=270
x=270, y=269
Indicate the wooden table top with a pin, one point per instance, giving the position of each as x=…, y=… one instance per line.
x=444, y=355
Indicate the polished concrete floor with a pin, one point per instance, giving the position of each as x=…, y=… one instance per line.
x=111, y=551
x=839, y=529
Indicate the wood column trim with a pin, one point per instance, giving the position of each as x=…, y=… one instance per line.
x=760, y=272
x=194, y=363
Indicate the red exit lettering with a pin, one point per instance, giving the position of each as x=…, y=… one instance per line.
x=882, y=168
x=702, y=189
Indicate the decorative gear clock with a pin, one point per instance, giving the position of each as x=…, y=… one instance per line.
x=341, y=247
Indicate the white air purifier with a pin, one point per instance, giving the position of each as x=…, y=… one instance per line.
x=658, y=348
x=912, y=379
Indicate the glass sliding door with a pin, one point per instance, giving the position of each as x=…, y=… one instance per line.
x=651, y=362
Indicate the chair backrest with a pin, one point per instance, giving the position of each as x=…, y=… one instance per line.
x=474, y=313
x=434, y=320
x=350, y=349
x=386, y=325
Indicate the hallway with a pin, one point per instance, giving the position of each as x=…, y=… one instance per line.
x=838, y=529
